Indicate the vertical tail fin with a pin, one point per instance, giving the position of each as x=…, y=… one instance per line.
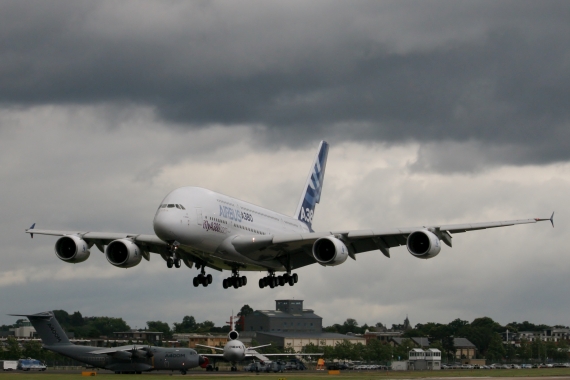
x=47, y=327
x=313, y=187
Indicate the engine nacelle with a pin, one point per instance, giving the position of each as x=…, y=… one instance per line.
x=72, y=249
x=423, y=244
x=233, y=335
x=123, y=253
x=330, y=251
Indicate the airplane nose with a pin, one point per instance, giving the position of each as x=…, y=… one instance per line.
x=161, y=226
x=203, y=361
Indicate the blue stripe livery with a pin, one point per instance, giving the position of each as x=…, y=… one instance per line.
x=313, y=187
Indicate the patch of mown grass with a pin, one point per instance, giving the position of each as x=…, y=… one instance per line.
x=344, y=375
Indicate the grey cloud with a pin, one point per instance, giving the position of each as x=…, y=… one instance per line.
x=490, y=72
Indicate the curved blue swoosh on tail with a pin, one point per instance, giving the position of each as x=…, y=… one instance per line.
x=313, y=187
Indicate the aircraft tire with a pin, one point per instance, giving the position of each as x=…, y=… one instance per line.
x=291, y=281
x=235, y=282
x=295, y=277
x=169, y=263
x=217, y=369
x=225, y=283
x=261, y=283
x=281, y=280
x=271, y=283
x=209, y=277
x=204, y=281
x=243, y=280
x=177, y=263
x=196, y=282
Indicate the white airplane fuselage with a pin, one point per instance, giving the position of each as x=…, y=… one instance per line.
x=202, y=220
x=234, y=351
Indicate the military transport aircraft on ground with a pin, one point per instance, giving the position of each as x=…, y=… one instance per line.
x=205, y=229
x=124, y=359
x=235, y=351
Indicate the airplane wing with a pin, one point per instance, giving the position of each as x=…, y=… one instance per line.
x=265, y=357
x=297, y=248
x=113, y=350
x=295, y=354
x=212, y=347
x=147, y=243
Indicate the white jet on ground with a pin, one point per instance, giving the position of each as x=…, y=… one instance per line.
x=235, y=351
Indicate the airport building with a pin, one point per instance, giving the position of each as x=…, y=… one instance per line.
x=296, y=341
x=288, y=316
x=152, y=337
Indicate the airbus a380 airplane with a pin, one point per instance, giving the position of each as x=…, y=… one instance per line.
x=206, y=229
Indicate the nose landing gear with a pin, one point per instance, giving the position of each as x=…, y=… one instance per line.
x=173, y=259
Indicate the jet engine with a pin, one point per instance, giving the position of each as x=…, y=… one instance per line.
x=123, y=253
x=423, y=244
x=72, y=249
x=330, y=251
x=233, y=335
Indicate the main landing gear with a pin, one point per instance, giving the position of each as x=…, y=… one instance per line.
x=235, y=280
x=202, y=279
x=272, y=281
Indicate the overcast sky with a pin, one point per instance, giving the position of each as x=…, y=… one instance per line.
x=436, y=112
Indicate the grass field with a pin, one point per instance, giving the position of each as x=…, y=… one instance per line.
x=345, y=375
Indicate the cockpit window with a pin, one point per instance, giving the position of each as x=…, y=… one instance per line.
x=182, y=207
x=177, y=206
x=163, y=205
x=170, y=205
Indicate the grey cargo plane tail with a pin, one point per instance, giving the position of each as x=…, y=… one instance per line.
x=124, y=359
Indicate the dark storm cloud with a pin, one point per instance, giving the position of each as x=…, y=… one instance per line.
x=493, y=73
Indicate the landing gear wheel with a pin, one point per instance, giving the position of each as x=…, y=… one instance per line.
x=243, y=281
x=209, y=278
x=204, y=280
x=261, y=283
x=169, y=262
x=196, y=282
x=271, y=282
x=281, y=280
x=295, y=277
x=291, y=281
x=177, y=263
x=225, y=283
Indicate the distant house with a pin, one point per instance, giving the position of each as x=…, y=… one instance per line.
x=297, y=340
x=205, y=339
x=464, y=349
